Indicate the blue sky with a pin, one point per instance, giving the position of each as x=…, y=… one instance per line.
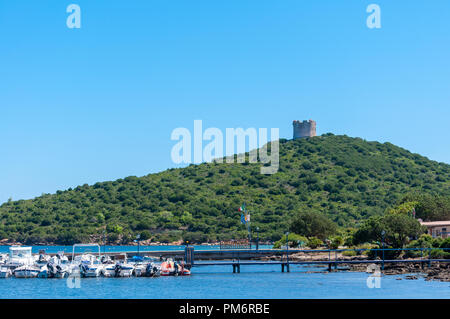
x=99, y=103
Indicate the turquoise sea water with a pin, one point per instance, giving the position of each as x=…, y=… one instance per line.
x=254, y=281
x=257, y=282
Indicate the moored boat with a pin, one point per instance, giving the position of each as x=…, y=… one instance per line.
x=19, y=256
x=88, y=265
x=152, y=270
x=171, y=268
x=27, y=271
x=5, y=272
x=168, y=268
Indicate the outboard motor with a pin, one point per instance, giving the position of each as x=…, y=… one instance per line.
x=83, y=269
x=149, y=270
x=117, y=268
x=104, y=259
x=51, y=269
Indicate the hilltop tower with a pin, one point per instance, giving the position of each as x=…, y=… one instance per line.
x=304, y=129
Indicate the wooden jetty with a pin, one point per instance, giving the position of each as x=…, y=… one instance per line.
x=236, y=258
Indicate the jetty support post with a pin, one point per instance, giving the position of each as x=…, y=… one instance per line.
x=335, y=259
x=285, y=265
x=189, y=255
x=236, y=268
x=429, y=257
x=421, y=258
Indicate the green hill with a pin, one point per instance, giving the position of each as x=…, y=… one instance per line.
x=347, y=179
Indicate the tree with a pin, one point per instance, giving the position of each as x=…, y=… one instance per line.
x=310, y=224
x=404, y=208
x=398, y=228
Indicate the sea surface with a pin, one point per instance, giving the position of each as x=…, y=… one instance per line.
x=211, y=282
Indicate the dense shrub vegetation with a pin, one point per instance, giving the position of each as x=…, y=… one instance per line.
x=344, y=179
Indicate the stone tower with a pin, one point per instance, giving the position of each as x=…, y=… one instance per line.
x=304, y=129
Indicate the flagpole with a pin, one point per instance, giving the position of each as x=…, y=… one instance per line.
x=249, y=233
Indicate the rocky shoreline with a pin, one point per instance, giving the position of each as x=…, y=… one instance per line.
x=435, y=271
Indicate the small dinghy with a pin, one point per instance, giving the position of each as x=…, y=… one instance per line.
x=168, y=268
x=171, y=268
x=182, y=271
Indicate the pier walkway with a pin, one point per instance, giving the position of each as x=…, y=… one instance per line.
x=333, y=260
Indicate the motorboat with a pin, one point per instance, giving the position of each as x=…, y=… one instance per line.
x=123, y=268
x=152, y=270
x=140, y=269
x=3, y=258
x=41, y=259
x=19, y=256
x=89, y=265
x=56, y=267
x=109, y=266
x=139, y=265
x=109, y=270
x=5, y=272
x=63, y=258
x=27, y=271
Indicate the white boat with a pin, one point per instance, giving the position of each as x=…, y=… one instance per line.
x=109, y=270
x=89, y=265
x=62, y=266
x=44, y=272
x=3, y=258
x=19, y=256
x=123, y=268
x=139, y=269
x=41, y=259
x=63, y=258
x=56, y=267
x=5, y=272
x=27, y=271
x=152, y=270
x=139, y=266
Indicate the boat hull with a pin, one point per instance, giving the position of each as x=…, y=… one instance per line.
x=26, y=273
x=5, y=273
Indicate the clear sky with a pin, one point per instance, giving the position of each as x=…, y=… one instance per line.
x=99, y=103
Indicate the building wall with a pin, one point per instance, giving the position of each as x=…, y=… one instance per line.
x=304, y=129
x=439, y=231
